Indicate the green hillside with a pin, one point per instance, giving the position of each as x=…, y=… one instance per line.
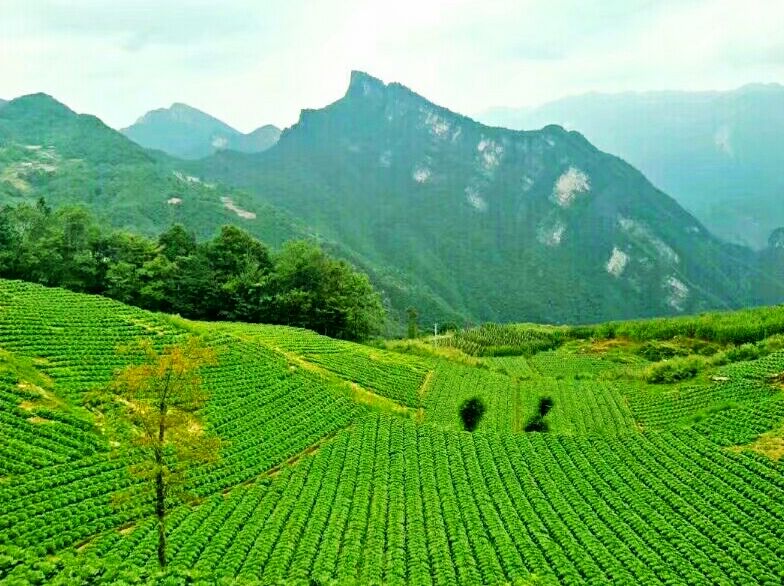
x=47, y=150
x=345, y=463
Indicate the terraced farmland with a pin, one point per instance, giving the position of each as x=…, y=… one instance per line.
x=633, y=484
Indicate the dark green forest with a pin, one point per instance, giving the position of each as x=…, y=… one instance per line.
x=232, y=276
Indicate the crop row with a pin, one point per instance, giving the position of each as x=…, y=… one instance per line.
x=392, y=375
x=742, y=423
x=761, y=368
x=74, y=338
x=562, y=364
x=390, y=502
x=264, y=412
x=659, y=406
x=507, y=339
x=580, y=407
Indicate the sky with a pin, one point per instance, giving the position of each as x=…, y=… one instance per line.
x=254, y=62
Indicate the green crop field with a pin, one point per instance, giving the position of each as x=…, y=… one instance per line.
x=347, y=464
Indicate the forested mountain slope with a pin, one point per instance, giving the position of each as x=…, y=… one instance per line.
x=719, y=154
x=460, y=221
x=47, y=150
x=490, y=223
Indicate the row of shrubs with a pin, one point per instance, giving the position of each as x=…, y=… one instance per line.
x=705, y=335
x=675, y=368
x=730, y=327
x=508, y=339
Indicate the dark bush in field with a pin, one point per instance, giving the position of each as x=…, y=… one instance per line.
x=537, y=422
x=471, y=412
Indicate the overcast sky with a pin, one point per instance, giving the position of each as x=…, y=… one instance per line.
x=252, y=62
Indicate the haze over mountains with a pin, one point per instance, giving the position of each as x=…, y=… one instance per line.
x=188, y=133
x=462, y=221
x=719, y=154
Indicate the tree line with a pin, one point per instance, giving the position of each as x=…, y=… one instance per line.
x=232, y=277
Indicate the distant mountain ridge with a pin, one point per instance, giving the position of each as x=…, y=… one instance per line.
x=461, y=219
x=185, y=132
x=719, y=154
x=39, y=120
x=47, y=150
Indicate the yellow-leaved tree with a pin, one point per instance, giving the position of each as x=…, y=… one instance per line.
x=157, y=404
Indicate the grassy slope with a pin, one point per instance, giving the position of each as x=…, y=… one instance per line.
x=344, y=462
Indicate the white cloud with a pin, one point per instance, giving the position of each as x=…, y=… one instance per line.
x=251, y=62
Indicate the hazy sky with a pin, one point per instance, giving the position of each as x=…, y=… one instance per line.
x=251, y=62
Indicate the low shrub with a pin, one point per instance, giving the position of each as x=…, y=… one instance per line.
x=654, y=351
x=674, y=370
x=537, y=422
x=743, y=352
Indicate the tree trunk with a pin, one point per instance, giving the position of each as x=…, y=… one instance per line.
x=160, y=511
x=160, y=494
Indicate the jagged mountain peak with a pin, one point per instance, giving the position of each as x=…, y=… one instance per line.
x=363, y=84
x=369, y=102
x=369, y=88
x=388, y=117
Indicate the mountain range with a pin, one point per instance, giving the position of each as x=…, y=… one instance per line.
x=719, y=154
x=490, y=223
x=461, y=221
x=188, y=133
x=47, y=150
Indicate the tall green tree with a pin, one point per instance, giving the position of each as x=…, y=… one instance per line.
x=177, y=242
x=233, y=276
x=74, y=234
x=124, y=255
x=309, y=289
x=412, y=328
x=158, y=403
x=233, y=249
